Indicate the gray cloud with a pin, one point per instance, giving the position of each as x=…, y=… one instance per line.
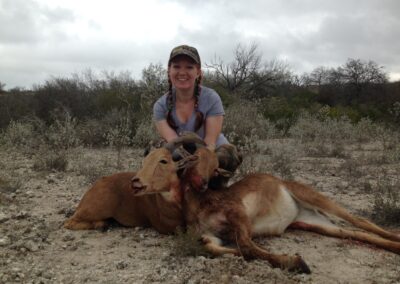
x=28, y=22
x=36, y=41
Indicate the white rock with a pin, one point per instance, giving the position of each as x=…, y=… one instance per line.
x=31, y=246
x=4, y=241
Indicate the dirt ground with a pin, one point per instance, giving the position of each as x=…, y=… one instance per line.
x=34, y=248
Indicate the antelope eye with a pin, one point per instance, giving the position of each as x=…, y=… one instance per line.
x=163, y=161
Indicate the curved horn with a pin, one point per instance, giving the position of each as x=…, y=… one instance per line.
x=185, y=138
x=229, y=157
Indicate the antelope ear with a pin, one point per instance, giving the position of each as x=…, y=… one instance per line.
x=222, y=172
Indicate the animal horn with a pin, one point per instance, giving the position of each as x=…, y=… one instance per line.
x=185, y=138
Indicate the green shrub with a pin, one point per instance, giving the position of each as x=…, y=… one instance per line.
x=338, y=112
x=281, y=112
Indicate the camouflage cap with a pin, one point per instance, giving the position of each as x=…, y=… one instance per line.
x=185, y=50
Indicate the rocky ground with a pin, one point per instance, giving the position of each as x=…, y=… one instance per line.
x=35, y=248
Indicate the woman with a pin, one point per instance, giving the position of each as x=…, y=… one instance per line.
x=189, y=106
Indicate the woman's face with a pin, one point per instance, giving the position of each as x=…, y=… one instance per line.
x=183, y=73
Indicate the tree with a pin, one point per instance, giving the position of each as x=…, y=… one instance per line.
x=235, y=75
x=153, y=84
x=274, y=75
x=124, y=89
x=362, y=79
x=247, y=74
x=358, y=72
x=2, y=90
x=320, y=76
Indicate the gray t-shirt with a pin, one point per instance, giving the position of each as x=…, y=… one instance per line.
x=210, y=104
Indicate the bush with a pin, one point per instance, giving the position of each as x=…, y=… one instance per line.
x=91, y=132
x=395, y=112
x=15, y=106
x=387, y=202
x=312, y=127
x=249, y=150
x=281, y=112
x=63, y=134
x=365, y=130
x=119, y=136
x=145, y=133
x=282, y=161
x=18, y=134
x=243, y=120
x=387, y=137
x=47, y=160
x=338, y=112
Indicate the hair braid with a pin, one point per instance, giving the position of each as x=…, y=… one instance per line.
x=199, y=114
x=170, y=106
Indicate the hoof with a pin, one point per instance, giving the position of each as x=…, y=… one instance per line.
x=303, y=267
x=300, y=266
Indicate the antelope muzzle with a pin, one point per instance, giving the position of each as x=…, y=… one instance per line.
x=137, y=186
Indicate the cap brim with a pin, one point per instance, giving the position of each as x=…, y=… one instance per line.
x=185, y=53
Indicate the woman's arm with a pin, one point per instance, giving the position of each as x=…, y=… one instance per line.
x=165, y=130
x=213, y=127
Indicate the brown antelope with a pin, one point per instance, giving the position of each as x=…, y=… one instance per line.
x=259, y=204
x=111, y=197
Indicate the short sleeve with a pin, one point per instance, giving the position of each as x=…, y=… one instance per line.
x=215, y=105
x=160, y=109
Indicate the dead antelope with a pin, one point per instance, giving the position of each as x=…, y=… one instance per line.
x=259, y=204
x=111, y=197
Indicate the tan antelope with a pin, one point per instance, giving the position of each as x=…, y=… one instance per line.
x=111, y=197
x=259, y=204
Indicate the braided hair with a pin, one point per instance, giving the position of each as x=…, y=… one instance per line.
x=170, y=105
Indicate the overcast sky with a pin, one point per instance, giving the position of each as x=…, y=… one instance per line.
x=44, y=38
